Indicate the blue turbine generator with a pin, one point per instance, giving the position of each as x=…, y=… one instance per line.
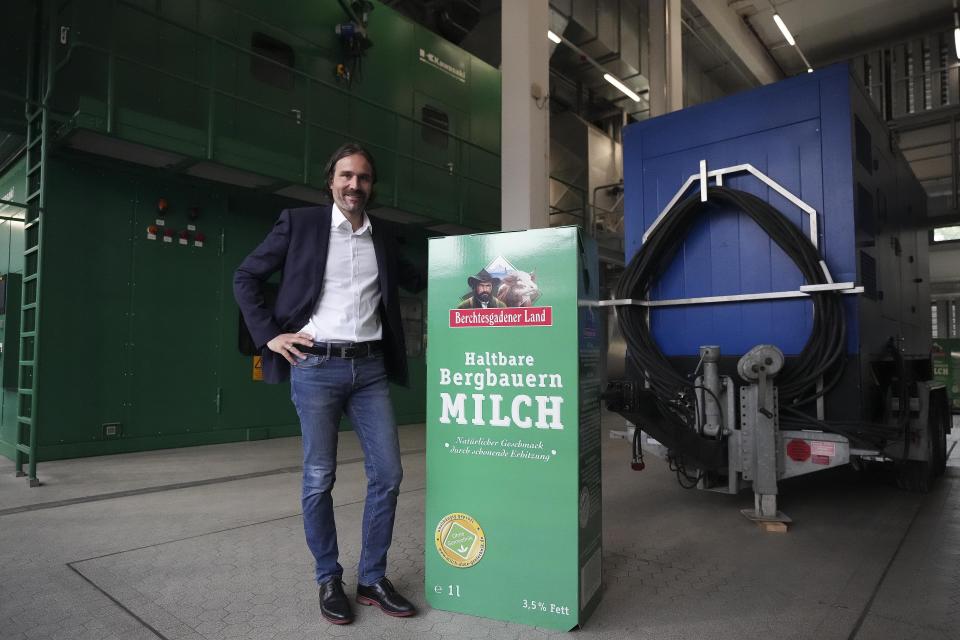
x=776, y=306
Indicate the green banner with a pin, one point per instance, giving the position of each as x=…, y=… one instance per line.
x=513, y=508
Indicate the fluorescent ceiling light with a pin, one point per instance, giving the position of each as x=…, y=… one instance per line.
x=956, y=40
x=619, y=85
x=783, y=29
x=606, y=76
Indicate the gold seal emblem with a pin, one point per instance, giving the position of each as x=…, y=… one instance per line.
x=460, y=540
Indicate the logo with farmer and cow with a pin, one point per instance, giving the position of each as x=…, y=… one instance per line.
x=500, y=295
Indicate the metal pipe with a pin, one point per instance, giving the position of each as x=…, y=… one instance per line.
x=712, y=420
x=211, y=98
x=112, y=71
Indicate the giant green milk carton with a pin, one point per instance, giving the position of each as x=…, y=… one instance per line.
x=946, y=368
x=513, y=505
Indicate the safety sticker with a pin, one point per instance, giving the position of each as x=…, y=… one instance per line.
x=823, y=448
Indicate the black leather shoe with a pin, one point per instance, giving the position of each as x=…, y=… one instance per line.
x=334, y=605
x=382, y=594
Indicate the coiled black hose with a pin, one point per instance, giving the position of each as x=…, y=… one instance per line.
x=822, y=355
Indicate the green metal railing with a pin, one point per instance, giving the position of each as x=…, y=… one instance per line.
x=302, y=116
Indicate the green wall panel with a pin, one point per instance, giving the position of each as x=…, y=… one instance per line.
x=145, y=333
x=429, y=77
x=182, y=76
x=246, y=403
x=13, y=187
x=485, y=108
x=84, y=323
x=174, y=309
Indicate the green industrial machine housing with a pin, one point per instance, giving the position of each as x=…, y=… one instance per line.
x=163, y=139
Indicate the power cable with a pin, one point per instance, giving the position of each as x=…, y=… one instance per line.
x=821, y=356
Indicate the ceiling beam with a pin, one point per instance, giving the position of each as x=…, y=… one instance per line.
x=739, y=38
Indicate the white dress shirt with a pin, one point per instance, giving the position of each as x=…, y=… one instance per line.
x=347, y=309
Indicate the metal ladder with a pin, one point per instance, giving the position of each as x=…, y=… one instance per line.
x=38, y=122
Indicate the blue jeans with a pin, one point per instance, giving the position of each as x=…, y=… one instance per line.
x=323, y=389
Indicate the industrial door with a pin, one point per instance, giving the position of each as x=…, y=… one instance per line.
x=245, y=401
x=174, y=300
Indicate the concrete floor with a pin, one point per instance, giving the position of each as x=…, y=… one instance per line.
x=207, y=543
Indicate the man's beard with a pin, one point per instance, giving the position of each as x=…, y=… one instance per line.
x=360, y=196
x=482, y=298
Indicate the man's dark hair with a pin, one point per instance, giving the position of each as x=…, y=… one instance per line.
x=345, y=150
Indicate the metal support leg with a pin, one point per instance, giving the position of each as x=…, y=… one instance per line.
x=759, y=418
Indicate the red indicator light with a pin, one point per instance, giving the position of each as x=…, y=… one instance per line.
x=798, y=450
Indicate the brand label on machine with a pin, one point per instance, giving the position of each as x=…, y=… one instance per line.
x=434, y=60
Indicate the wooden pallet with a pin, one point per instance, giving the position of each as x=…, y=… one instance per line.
x=777, y=524
x=769, y=526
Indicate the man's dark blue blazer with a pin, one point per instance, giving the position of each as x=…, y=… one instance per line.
x=297, y=246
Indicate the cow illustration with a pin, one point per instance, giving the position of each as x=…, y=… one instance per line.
x=519, y=289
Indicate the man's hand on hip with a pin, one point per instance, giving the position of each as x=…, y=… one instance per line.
x=286, y=345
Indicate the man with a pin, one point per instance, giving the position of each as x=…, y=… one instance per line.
x=335, y=331
x=483, y=285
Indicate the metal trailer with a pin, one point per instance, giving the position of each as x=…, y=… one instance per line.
x=722, y=321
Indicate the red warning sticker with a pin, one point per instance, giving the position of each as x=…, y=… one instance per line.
x=820, y=460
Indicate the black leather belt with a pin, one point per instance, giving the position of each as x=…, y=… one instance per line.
x=347, y=350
